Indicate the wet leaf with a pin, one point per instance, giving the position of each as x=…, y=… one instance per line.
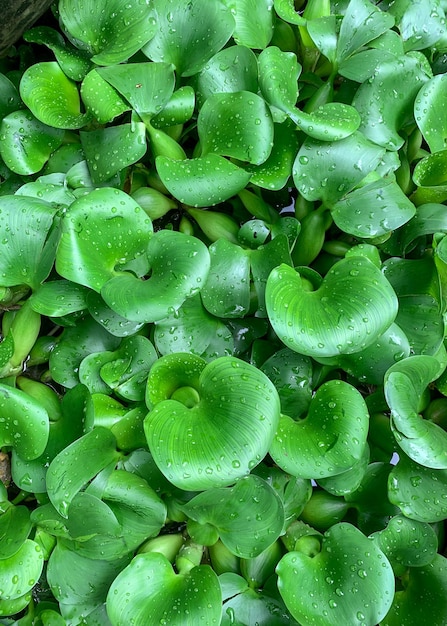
x=254, y=22
x=21, y=571
x=428, y=107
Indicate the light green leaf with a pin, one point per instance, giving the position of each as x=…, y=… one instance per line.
x=24, y=424
x=26, y=143
x=349, y=580
x=29, y=235
x=228, y=408
x=328, y=171
x=421, y=25
x=385, y=101
x=278, y=77
x=237, y=125
x=203, y=181
x=104, y=231
x=330, y=440
x=109, y=30
x=407, y=542
x=75, y=466
x=21, y=571
x=179, y=266
x=378, y=208
x=423, y=441
x=353, y=306
x=101, y=99
x=248, y=517
x=52, y=97
x=429, y=105
x=330, y=122
x=189, y=33
x=254, y=22
x=56, y=298
x=15, y=526
x=232, y=69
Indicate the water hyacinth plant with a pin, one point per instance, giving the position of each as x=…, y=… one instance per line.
x=223, y=271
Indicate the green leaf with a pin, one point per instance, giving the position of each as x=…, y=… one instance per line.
x=408, y=543
x=420, y=25
x=21, y=571
x=328, y=171
x=249, y=517
x=110, y=31
x=418, y=491
x=379, y=208
x=52, y=97
x=56, y=298
x=428, y=107
x=15, y=526
x=350, y=579
x=286, y=11
x=353, y=306
x=74, y=345
x=222, y=416
x=362, y=22
x=178, y=110
x=179, y=266
x=410, y=604
x=178, y=599
x=189, y=33
x=226, y=292
x=26, y=143
x=291, y=373
x=100, y=99
x=254, y=22
x=9, y=99
x=385, y=101
x=74, y=63
x=230, y=70
x=423, y=441
x=112, y=322
x=103, y=230
x=278, y=77
x=330, y=440
x=238, y=125
x=75, y=466
x=202, y=181
x=24, y=423
x=146, y=86
x=109, y=150
x=330, y=122
x=29, y=236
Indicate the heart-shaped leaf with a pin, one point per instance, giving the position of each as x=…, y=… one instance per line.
x=67, y=474
x=419, y=492
x=330, y=440
x=379, y=208
x=110, y=31
x=203, y=181
x=407, y=542
x=278, y=77
x=353, y=306
x=177, y=599
x=189, y=33
x=328, y=171
x=102, y=230
x=179, y=267
x=422, y=440
x=29, y=234
x=237, y=125
x=52, y=97
x=26, y=143
x=222, y=416
x=349, y=581
x=249, y=517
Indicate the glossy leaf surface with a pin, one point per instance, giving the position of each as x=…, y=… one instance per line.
x=228, y=404
x=343, y=316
